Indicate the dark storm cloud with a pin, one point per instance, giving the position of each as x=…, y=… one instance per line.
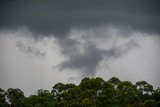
x=58, y=16
x=69, y=46
x=118, y=51
x=30, y=50
x=88, y=60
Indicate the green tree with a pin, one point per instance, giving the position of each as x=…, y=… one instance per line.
x=3, y=102
x=149, y=103
x=144, y=87
x=127, y=93
x=43, y=98
x=145, y=90
x=108, y=96
x=114, y=81
x=14, y=96
x=94, y=83
x=91, y=92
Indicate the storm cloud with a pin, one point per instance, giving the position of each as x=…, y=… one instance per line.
x=54, y=16
x=30, y=50
x=88, y=60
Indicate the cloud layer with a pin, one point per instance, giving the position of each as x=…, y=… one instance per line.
x=53, y=16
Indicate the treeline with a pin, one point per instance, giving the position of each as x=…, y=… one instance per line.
x=91, y=92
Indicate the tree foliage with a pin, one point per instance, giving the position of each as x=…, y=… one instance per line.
x=91, y=92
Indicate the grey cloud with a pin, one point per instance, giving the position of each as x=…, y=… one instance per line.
x=88, y=60
x=69, y=47
x=29, y=50
x=118, y=51
x=54, y=16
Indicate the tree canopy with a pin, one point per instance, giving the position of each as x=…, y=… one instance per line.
x=91, y=92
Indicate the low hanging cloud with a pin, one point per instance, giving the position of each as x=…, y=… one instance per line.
x=85, y=55
x=30, y=50
x=118, y=51
x=88, y=61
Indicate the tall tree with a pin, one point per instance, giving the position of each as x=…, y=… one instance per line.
x=3, y=102
x=14, y=96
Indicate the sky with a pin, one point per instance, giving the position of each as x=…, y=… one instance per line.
x=43, y=42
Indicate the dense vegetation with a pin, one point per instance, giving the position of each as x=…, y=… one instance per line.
x=91, y=92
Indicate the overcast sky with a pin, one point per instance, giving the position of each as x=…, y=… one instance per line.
x=43, y=42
